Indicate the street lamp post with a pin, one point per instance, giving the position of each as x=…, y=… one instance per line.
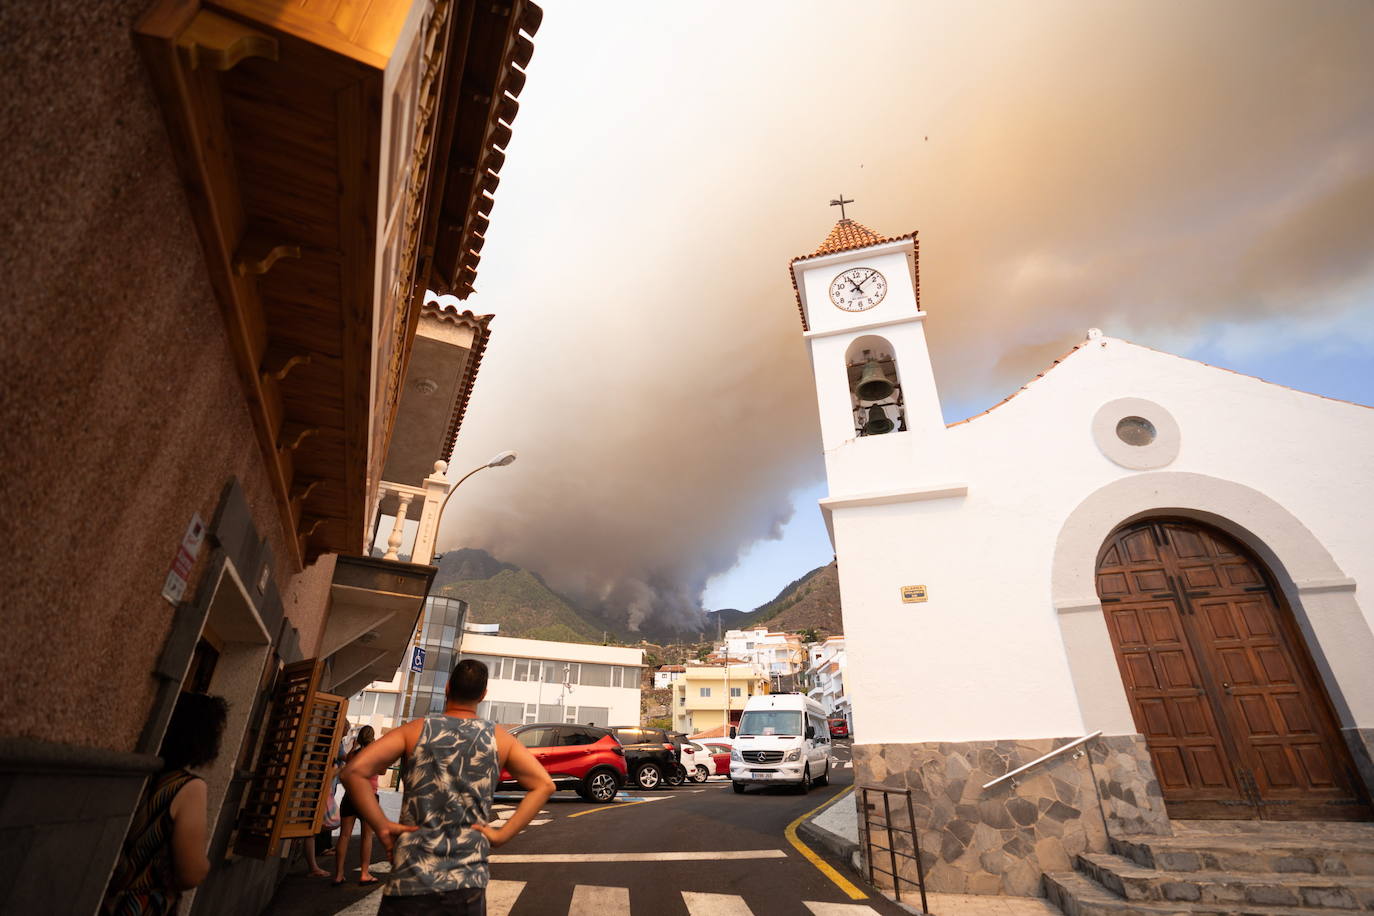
x=500, y=460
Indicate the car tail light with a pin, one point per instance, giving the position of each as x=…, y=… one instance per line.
x=667, y=747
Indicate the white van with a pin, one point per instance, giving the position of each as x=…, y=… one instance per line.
x=782, y=739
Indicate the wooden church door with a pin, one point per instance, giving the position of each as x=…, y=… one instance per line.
x=1219, y=680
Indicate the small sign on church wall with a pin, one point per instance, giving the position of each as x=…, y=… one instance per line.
x=913, y=594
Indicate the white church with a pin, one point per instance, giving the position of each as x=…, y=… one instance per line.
x=1167, y=559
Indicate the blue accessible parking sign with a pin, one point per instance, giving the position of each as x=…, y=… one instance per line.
x=417, y=662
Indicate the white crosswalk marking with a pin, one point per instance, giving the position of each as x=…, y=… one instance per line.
x=838, y=909
x=715, y=904
x=594, y=900
x=501, y=896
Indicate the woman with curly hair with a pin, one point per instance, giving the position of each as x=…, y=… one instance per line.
x=164, y=850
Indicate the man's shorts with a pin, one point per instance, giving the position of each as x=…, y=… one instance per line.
x=469, y=901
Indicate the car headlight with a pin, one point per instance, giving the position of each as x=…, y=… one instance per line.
x=792, y=756
x=734, y=754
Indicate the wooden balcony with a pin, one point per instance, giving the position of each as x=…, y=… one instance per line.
x=338, y=159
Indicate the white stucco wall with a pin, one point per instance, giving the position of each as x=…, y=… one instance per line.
x=985, y=656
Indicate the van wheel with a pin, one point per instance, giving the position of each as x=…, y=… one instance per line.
x=825, y=777
x=738, y=787
x=806, y=779
x=648, y=776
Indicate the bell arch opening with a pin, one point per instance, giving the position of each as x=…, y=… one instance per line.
x=875, y=387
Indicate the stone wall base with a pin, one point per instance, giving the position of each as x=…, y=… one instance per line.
x=1000, y=840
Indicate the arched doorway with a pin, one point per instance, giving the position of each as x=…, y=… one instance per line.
x=1219, y=680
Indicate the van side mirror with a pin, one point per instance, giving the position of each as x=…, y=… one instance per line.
x=732, y=731
x=810, y=732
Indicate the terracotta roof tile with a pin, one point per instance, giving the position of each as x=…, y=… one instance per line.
x=849, y=235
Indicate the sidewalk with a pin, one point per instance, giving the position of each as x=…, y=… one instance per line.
x=834, y=833
x=301, y=895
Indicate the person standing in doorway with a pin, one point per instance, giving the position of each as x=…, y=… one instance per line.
x=451, y=766
x=348, y=812
x=164, y=850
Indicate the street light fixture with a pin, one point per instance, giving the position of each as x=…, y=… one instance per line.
x=500, y=460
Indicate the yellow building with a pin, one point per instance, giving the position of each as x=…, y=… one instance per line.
x=707, y=696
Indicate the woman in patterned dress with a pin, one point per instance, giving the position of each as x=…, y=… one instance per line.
x=164, y=850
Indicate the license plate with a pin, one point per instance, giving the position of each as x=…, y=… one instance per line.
x=763, y=774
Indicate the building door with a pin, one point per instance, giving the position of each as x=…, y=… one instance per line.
x=1220, y=681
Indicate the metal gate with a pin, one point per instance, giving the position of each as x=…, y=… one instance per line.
x=893, y=800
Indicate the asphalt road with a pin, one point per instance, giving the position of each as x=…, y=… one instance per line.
x=697, y=850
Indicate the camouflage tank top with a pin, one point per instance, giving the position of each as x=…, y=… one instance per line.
x=449, y=783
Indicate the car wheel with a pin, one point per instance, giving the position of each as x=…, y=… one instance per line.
x=825, y=777
x=738, y=787
x=806, y=780
x=648, y=776
x=599, y=786
x=701, y=774
x=677, y=777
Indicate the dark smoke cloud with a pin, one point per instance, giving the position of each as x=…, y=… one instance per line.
x=1150, y=168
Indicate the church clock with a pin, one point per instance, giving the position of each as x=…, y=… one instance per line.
x=857, y=289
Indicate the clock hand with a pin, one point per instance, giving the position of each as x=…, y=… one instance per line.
x=865, y=280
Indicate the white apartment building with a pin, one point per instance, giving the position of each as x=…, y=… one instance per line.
x=776, y=653
x=533, y=680
x=826, y=675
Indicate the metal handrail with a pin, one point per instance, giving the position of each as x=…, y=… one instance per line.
x=1038, y=760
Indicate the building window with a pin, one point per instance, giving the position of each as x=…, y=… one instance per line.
x=682, y=701
x=705, y=691
x=736, y=691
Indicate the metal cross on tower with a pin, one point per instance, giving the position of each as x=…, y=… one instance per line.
x=840, y=203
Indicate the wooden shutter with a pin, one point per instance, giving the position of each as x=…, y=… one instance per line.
x=290, y=789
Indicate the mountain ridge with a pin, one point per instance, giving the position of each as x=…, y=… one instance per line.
x=527, y=607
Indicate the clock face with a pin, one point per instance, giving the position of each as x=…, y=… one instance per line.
x=857, y=289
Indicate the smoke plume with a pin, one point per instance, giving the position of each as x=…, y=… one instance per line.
x=1150, y=168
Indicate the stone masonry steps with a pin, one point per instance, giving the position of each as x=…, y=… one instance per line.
x=1301, y=889
x=1078, y=895
x=1343, y=855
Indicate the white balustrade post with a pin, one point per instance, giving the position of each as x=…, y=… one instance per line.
x=393, y=543
x=436, y=488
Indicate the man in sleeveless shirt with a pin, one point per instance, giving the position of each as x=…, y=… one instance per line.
x=451, y=765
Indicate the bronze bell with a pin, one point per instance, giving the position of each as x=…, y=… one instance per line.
x=878, y=423
x=873, y=384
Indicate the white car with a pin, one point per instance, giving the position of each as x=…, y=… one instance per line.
x=697, y=761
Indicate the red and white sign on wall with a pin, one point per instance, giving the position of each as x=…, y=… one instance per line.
x=175, y=586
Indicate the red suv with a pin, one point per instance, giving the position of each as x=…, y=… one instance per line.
x=839, y=727
x=584, y=758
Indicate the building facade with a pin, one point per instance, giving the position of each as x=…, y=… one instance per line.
x=825, y=675
x=775, y=653
x=668, y=675
x=711, y=697
x=533, y=680
x=1154, y=554
x=233, y=397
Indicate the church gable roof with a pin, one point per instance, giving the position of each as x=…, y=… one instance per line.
x=849, y=235
x=1103, y=340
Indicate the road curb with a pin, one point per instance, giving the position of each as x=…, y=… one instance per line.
x=832, y=844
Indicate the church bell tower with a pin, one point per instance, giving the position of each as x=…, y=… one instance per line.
x=859, y=297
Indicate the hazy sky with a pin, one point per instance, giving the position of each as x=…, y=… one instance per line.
x=1195, y=177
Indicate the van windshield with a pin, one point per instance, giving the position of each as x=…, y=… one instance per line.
x=783, y=722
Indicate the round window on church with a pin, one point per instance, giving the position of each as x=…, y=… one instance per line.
x=1136, y=431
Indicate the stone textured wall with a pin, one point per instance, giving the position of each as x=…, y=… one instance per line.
x=1126, y=785
x=993, y=841
x=123, y=409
